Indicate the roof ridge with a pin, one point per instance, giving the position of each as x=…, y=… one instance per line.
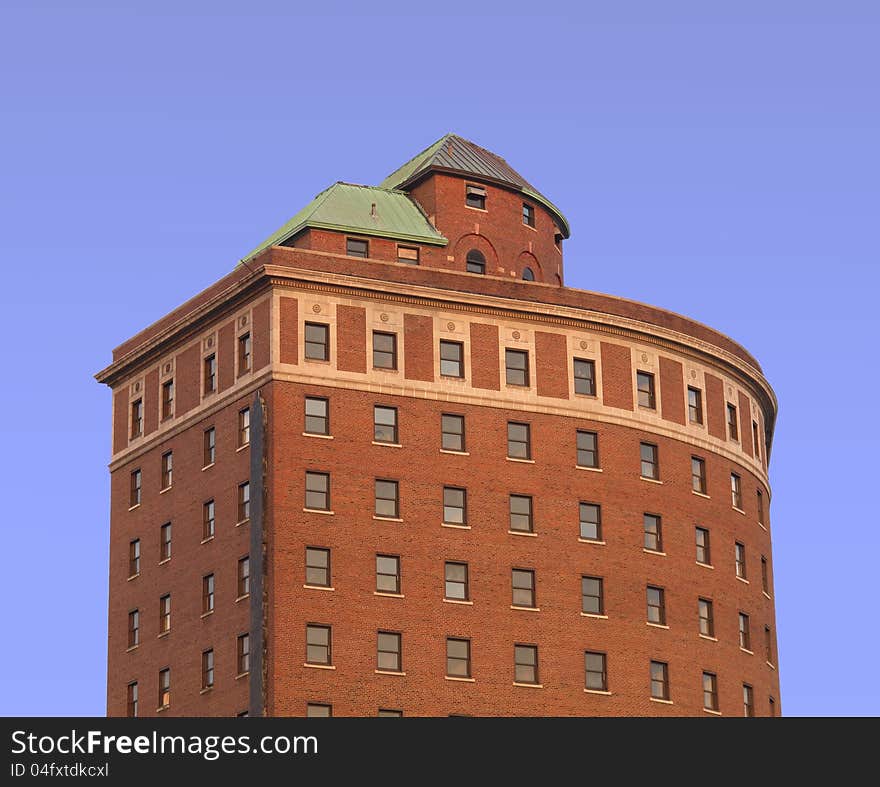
x=371, y=188
x=480, y=148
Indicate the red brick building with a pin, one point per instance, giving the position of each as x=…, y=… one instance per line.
x=390, y=464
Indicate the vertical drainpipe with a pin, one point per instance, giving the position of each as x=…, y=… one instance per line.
x=257, y=556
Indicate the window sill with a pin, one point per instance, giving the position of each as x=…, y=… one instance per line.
x=711, y=639
x=318, y=587
x=388, y=672
x=700, y=494
x=522, y=533
x=458, y=601
x=206, y=540
x=591, y=541
x=165, y=489
x=651, y=480
x=206, y=614
x=316, y=360
x=206, y=690
x=325, y=511
x=766, y=594
x=208, y=467
x=746, y=650
x=386, y=370
x=242, y=675
x=593, y=615
x=136, y=505
x=591, y=469
x=598, y=691
x=656, y=625
x=388, y=518
x=135, y=576
x=478, y=210
x=162, y=709
x=165, y=560
x=743, y=579
x=455, y=527
x=319, y=666
x=763, y=527
x=770, y=664
x=319, y=436
x=586, y=396
x=454, y=453
x=453, y=377
x=130, y=648
x=713, y=712
x=388, y=595
x=459, y=680
x=739, y=510
x=525, y=609
x=653, y=552
x=242, y=598
x=529, y=685
x=662, y=702
x=521, y=461
x=388, y=445
x=163, y=634
x=706, y=565
x=242, y=447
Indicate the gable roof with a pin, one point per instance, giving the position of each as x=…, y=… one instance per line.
x=452, y=153
x=348, y=207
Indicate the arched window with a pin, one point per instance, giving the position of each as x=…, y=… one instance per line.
x=476, y=262
x=528, y=274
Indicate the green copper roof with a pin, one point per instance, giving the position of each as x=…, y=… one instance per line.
x=366, y=210
x=453, y=153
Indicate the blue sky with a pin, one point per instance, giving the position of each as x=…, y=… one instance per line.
x=720, y=160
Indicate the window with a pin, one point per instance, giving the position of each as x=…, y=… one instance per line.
x=704, y=554
x=710, y=691
x=454, y=505
x=523, y=582
x=408, y=255
x=653, y=533
x=521, y=519
x=457, y=581
x=476, y=262
x=656, y=605
x=590, y=522
x=243, y=583
x=165, y=613
x=134, y=626
x=384, y=350
x=584, y=377
x=706, y=616
x=519, y=443
x=135, y=489
x=528, y=215
x=388, y=655
x=207, y=669
x=243, y=654
x=475, y=197
x=732, y=428
x=748, y=701
x=167, y=399
x=318, y=710
x=131, y=700
x=592, y=596
x=768, y=645
x=695, y=405
x=698, y=475
x=458, y=657
x=317, y=341
x=207, y=520
x=357, y=247
x=317, y=415
x=387, y=502
x=164, y=688
x=385, y=424
x=452, y=432
x=772, y=704
x=587, y=449
x=387, y=712
x=167, y=469
x=165, y=542
x=318, y=567
x=745, y=636
x=516, y=363
x=317, y=490
x=210, y=374
x=209, y=447
x=244, y=353
x=387, y=574
x=134, y=557
x=596, y=678
x=645, y=385
x=765, y=576
x=525, y=664
x=736, y=491
x=207, y=594
x=740, y=557
x=137, y=418
x=244, y=501
x=244, y=427
x=755, y=442
x=451, y=359
x=659, y=680
x=528, y=274
x=760, y=500
x=650, y=461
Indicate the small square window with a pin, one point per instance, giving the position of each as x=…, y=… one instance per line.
x=458, y=657
x=521, y=519
x=318, y=567
x=525, y=664
x=387, y=501
x=384, y=350
x=385, y=424
x=456, y=581
x=317, y=415
x=388, y=651
x=475, y=197
x=528, y=215
x=592, y=596
x=587, y=449
x=317, y=341
x=517, y=367
x=357, y=247
x=519, y=442
x=318, y=644
x=318, y=710
x=590, y=522
x=475, y=262
x=452, y=432
x=317, y=490
x=387, y=574
x=454, y=505
x=408, y=255
x=451, y=359
x=523, y=584
x=584, y=377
